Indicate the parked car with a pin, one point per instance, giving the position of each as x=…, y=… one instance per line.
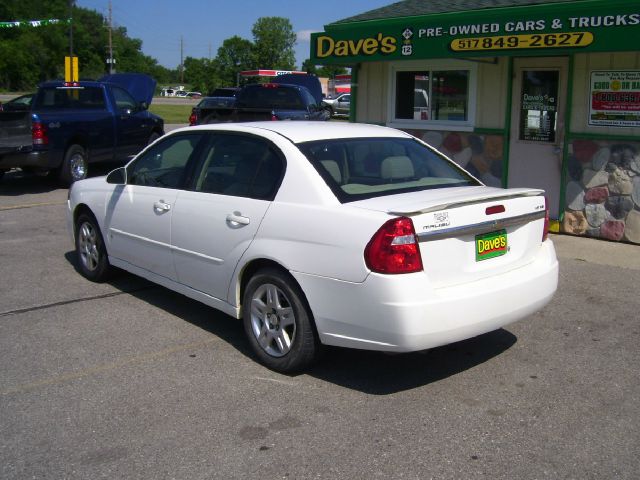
x=194, y=94
x=261, y=101
x=339, y=105
x=320, y=234
x=21, y=103
x=71, y=125
x=181, y=93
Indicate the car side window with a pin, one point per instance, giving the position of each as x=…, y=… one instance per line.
x=124, y=101
x=240, y=165
x=165, y=164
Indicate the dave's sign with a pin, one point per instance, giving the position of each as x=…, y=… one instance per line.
x=326, y=46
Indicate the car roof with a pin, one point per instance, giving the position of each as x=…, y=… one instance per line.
x=302, y=131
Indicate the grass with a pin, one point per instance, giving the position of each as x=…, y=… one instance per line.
x=172, y=113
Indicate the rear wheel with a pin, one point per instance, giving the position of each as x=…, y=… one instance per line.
x=278, y=322
x=91, y=253
x=75, y=165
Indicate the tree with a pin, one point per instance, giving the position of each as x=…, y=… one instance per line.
x=29, y=55
x=331, y=71
x=309, y=67
x=235, y=55
x=274, y=39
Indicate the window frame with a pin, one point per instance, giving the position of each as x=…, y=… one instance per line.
x=132, y=101
x=189, y=167
x=431, y=66
x=199, y=164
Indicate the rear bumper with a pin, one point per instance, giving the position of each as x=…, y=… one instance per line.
x=402, y=313
x=38, y=158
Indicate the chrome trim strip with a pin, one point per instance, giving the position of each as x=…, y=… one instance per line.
x=217, y=261
x=478, y=228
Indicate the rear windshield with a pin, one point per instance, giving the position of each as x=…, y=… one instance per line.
x=272, y=96
x=84, y=98
x=359, y=168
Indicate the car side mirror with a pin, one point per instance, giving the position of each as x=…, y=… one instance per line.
x=118, y=176
x=143, y=106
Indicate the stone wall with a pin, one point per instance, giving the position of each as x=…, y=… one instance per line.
x=603, y=190
x=481, y=155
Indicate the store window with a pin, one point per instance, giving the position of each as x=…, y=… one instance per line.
x=434, y=96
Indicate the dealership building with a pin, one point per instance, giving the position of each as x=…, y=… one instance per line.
x=522, y=93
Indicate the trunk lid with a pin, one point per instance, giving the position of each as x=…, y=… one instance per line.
x=469, y=233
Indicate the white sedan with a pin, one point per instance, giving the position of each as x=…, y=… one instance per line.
x=320, y=234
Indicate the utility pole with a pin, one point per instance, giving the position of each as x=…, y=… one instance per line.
x=181, y=60
x=111, y=69
x=209, y=51
x=71, y=28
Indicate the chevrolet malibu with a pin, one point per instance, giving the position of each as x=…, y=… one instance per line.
x=318, y=234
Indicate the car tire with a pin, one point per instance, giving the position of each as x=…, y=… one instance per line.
x=329, y=111
x=75, y=165
x=91, y=253
x=278, y=323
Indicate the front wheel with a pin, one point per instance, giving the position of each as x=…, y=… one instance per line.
x=75, y=165
x=91, y=253
x=278, y=323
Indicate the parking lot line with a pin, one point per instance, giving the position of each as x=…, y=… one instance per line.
x=138, y=359
x=31, y=205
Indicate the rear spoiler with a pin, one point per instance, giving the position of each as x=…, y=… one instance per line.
x=479, y=198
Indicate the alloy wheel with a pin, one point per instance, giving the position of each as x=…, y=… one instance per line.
x=272, y=320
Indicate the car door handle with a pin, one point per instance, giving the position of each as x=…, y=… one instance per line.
x=236, y=219
x=161, y=206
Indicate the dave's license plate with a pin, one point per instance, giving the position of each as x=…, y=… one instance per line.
x=491, y=245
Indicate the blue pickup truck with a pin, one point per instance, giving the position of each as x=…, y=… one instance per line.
x=71, y=125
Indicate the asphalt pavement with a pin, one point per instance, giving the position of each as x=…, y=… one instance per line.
x=129, y=380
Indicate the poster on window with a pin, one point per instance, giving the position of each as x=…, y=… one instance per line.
x=538, y=106
x=615, y=99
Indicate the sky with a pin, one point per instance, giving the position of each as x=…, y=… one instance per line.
x=205, y=24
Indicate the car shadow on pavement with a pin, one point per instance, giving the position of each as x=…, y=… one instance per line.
x=375, y=373
x=379, y=373
x=16, y=182
x=207, y=318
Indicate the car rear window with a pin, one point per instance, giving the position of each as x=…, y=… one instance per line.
x=84, y=98
x=359, y=168
x=271, y=96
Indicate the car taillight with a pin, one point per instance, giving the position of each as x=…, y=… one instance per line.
x=273, y=117
x=394, y=248
x=545, y=231
x=193, y=118
x=39, y=134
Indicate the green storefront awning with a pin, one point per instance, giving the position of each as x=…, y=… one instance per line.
x=527, y=30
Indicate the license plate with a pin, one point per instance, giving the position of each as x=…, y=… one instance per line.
x=491, y=245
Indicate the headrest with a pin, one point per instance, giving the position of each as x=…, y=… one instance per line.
x=333, y=168
x=395, y=167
